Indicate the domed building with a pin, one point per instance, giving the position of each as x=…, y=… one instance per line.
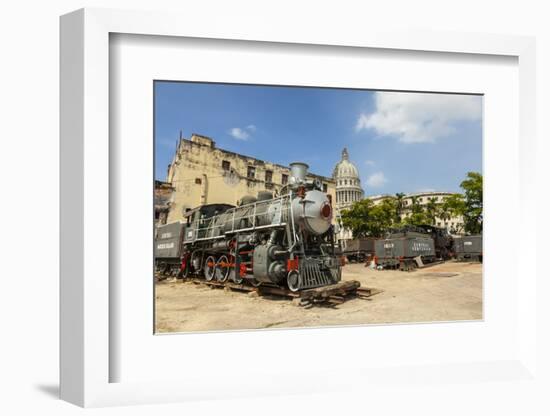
x=348, y=190
x=348, y=183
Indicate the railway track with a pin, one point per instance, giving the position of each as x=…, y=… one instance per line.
x=332, y=295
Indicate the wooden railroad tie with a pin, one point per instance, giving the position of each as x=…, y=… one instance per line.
x=331, y=295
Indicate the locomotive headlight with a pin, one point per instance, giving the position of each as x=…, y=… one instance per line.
x=313, y=211
x=326, y=211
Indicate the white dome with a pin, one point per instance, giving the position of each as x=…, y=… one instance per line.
x=345, y=169
x=348, y=183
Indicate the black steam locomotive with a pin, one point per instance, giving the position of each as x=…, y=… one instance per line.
x=286, y=240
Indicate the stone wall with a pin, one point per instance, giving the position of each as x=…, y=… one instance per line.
x=201, y=173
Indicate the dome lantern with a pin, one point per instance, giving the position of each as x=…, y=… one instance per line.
x=345, y=155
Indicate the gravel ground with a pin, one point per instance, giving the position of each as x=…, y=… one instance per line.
x=446, y=292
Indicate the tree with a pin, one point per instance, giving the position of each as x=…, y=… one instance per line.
x=431, y=210
x=452, y=206
x=473, y=202
x=365, y=219
x=417, y=217
x=399, y=197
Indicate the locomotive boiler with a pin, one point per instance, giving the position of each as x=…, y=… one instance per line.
x=286, y=240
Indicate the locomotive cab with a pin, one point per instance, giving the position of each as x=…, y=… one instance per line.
x=199, y=219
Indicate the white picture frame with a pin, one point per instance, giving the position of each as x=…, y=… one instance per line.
x=86, y=353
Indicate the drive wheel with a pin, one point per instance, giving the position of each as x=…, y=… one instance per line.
x=222, y=269
x=184, y=272
x=195, y=262
x=254, y=282
x=294, y=281
x=209, y=268
x=234, y=278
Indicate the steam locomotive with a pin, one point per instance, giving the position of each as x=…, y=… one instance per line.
x=287, y=240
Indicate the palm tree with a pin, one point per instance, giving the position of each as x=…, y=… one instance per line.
x=417, y=216
x=445, y=211
x=431, y=210
x=399, y=206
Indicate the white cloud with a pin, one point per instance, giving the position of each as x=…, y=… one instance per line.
x=418, y=118
x=239, y=133
x=376, y=180
x=242, y=134
x=369, y=162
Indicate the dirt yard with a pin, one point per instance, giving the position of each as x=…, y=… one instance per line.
x=446, y=292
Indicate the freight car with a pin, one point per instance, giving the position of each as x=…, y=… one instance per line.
x=443, y=241
x=400, y=251
x=286, y=240
x=469, y=248
x=169, y=240
x=358, y=249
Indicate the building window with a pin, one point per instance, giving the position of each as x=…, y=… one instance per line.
x=325, y=188
x=251, y=173
x=198, y=181
x=345, y=181
x=419, y=199
x=226, y=165
x=284, y=179
x=268, y=176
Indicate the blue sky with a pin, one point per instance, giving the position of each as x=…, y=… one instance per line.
x=400, y=142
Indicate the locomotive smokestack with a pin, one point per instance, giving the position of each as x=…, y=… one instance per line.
x=298, y=172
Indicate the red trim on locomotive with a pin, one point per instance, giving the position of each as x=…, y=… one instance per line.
x=292, y=264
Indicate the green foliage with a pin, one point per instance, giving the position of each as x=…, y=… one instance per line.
x=452, y=206
x=368, y=220
x=418, y=216
x=469, y=205
x=398, y=207
x=473, y=203
x=431, y=211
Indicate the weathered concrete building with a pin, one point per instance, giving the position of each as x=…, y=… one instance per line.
x=201, y=173
x=454, y=224
x=163, y=200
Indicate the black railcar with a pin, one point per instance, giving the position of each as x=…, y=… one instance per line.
x=401, y=246
x=469, y=248
x=400, y=251
x=443, y=241
x=358, y=249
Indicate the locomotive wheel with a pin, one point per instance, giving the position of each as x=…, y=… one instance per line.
x=185, y=272
x=222, y=269
x=254, y=282
x=209, y=268
x=232, y=277
x=195, y=262
x=294, y=281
